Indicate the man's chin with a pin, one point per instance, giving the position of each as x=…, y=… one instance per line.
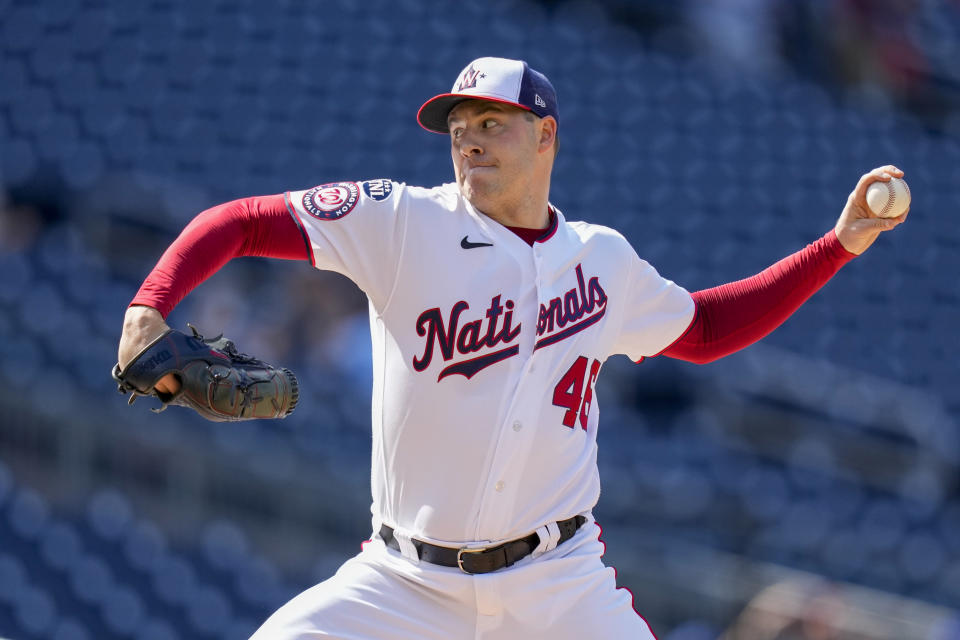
x=476, y=200
x=478, y=185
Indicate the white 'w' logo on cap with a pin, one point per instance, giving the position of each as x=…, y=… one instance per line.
x=469, y=79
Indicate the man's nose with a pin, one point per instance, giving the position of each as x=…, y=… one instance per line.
x=469, y=145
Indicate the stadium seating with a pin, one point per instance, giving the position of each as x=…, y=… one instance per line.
x=117, y=127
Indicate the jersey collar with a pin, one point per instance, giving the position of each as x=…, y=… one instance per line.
x=494, y=230
x=551, y=230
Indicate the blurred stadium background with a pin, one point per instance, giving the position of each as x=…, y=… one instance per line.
x=804, y=488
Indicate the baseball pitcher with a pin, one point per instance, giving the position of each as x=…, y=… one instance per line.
x=491, y=316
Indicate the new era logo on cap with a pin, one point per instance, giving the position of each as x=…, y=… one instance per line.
x=497, y=79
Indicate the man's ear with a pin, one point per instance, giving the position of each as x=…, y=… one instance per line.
x=548, y=132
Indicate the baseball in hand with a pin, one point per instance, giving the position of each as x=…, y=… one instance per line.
x=888, y=199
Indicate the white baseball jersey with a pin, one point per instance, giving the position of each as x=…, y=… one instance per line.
x=486, y=352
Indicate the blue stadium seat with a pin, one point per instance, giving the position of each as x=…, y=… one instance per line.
x=85, y=167
x=19, y=274
x=158, y=630
x=174, y=579
x=60, y=139
x=208, y=610
x=240, y=628
x=78, y=87
x=104, y=115
x=28, y=513
x=109, y=514
x=845, y=554
x=35, y=611
x=693, y=630
x=15, y=78
x=145, y=546
x=60, y=546
x=224, y=545
x=33, y=112
x=13, y=577
x=91, y=579
x=6, y=485
x=882, y=526
x=258, y=582
x=21, y=29
x=69, y=629
x=922, y=557
x=685, y=492
x=123, y=611
x=54, y=59
x=765, y=493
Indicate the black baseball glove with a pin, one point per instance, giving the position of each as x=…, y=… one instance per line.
x=216, y=380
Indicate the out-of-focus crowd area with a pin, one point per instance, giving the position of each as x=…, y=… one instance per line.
x=806, y=488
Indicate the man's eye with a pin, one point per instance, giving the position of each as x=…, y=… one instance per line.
x=456, y=133
x=490, y=122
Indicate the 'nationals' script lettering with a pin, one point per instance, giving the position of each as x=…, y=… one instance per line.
x=580, y=307
x=472, y=336
x=571, y=313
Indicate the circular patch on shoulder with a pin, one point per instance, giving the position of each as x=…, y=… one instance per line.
x=331, y=201
x=378, y=189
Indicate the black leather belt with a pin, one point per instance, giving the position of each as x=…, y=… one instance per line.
x=482, y=559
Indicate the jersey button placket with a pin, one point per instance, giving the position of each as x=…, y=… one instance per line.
x=498, y=504
x=539, y=285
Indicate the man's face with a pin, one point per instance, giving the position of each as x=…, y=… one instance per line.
x=494, y=147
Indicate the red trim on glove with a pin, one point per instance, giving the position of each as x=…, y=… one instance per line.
x=735, y=315
x=257, y=226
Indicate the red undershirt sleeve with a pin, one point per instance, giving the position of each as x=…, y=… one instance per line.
x=735, y=315
x=257, y=226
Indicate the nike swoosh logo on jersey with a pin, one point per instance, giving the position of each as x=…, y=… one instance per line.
x=466, y=244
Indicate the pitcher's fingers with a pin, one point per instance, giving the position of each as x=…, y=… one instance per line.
x=889, y=169
x=169, y=383
x=900, y=218
x=882, y=224
x=880, y=174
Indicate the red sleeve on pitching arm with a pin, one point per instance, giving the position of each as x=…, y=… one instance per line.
x=258, y=226
x=735, y=315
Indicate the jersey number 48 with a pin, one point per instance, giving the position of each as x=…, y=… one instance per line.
x=574, y=392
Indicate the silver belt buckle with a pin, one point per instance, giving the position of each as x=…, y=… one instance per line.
x=463, y=550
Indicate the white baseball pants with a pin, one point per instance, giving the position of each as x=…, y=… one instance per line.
x=565, y=594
